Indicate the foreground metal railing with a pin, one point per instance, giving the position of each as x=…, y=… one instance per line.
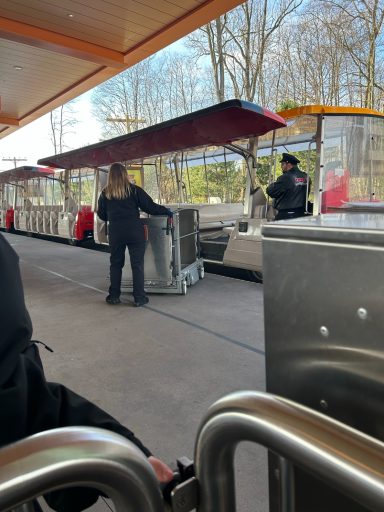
x=337, y=454
x=328, y=449
x=77, y=456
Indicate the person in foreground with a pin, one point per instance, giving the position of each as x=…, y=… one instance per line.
x=289, y=191
x=119, y=204
x=28, y=403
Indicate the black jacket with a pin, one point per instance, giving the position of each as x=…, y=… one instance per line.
x=289, y=191
x=28, y=403
x=127, y=209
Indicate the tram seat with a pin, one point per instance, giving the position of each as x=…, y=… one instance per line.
x=33, y=219
x=39, y=220
x=66, y=224
x=46, y=215
x=213, y=216
x=336, y=190
x=219, y=215
x=258, y=204
x=54, y=219
x=24, y=216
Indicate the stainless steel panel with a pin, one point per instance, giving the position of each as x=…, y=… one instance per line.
x=158, y=254
x=323, y=300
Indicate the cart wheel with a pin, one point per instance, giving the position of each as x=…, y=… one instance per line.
x=201, y=273
x=255, y=276
x=184, y=287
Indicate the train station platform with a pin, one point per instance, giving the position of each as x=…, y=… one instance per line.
x=158, y=368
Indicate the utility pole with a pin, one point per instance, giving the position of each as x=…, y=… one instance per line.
x=14, y=160
x=127, y=120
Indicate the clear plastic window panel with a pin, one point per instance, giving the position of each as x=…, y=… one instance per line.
x=353, y=162
x=8, y=196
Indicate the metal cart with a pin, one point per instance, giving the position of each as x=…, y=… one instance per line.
x=172, y=257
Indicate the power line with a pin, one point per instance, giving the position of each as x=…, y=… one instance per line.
x=14, y=160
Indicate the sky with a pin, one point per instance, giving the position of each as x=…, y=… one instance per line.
x=34, y=140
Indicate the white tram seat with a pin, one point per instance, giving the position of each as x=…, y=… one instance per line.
x=54, y=219
x=46, y=216
x=32, y=219
x=215, y=216
x=260, y=208
x=39, y=219
x=228, y=230
x=24, y=216
x=66, y=224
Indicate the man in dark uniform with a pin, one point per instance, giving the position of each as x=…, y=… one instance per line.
x=289, y=191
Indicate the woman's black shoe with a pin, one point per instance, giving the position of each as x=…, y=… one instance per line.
x=112, y=300
x=141, y=302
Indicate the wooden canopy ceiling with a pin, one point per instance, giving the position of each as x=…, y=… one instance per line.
x=51, y=51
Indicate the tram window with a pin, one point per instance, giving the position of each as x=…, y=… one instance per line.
x=218, y=182
x=353, y=161
x=81, y=186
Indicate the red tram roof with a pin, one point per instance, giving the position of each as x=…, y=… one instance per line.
x=25, y=172
x=217, y=125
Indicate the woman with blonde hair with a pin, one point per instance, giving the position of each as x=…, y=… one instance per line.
x=119, y=204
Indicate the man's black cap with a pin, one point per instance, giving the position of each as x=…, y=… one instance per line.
x=290, y=159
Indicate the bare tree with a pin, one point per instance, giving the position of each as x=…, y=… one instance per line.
x=62, y=120
x=116, y=103
x=159, y=88
x=314, y=65
x=209, y=41
x=238, y=43
x=360, y=36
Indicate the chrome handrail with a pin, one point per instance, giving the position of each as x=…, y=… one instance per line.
x=328, y=449
x=78, y=456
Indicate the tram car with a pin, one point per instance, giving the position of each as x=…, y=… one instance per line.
x=41, y=201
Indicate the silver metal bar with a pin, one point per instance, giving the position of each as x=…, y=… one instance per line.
x=78, y=456
x=189, y=234
x=216, y=262
x=308, y=178
x=328, y=449
x=27, y=507
x=318, y=180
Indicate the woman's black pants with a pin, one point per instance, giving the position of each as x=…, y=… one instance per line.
x=136, y=252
